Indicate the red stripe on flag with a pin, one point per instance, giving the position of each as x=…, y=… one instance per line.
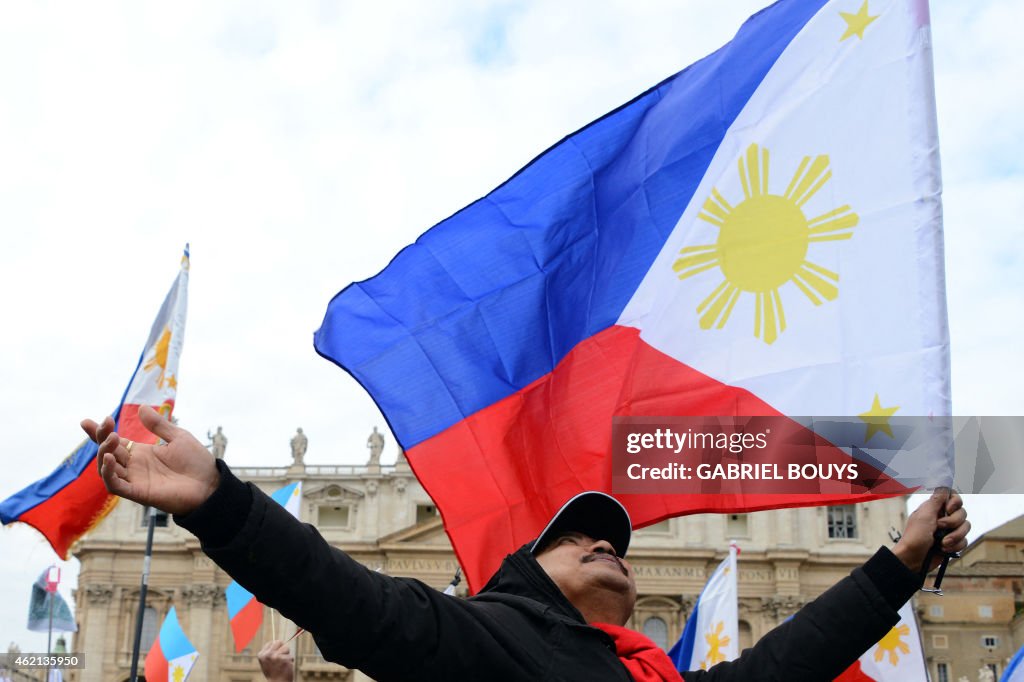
x=854, y=674
x=81, y=504
x=245, y=624
x=155, y=667
x=499, y=475
x=73, y=511
x=129, y=426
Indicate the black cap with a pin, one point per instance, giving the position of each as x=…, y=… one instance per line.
x=592, y=513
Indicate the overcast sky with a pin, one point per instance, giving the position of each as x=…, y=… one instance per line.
x=298, y=146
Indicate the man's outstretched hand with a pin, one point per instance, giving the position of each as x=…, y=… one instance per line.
x=944, y=510
x=175, y=477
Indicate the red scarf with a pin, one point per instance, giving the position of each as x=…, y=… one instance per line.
x=644, y=659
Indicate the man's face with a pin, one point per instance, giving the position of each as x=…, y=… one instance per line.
x=586, y=569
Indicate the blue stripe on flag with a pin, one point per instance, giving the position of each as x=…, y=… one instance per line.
x=281, y=496
x=70, y=469
x=492, y=298
x=237, y=597
x=173, y=641
x=682, y=652
x=1015, y=669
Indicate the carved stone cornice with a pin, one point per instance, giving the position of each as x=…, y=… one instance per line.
x=98, y=594
x=782, y=607
x=747, y=605
x=202, y=594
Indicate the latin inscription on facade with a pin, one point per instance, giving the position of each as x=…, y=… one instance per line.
x=669, y=572
x=400, y=566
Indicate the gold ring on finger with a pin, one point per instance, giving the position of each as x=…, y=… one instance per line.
x=128, y=444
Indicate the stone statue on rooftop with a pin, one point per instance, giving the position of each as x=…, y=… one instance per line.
x=218, y=443
x=299, y=443
x=376, y=445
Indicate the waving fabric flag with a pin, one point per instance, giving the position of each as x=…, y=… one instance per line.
x=245, y=613
x=759, y=234
x=70, y=501
x=712, y=632
x=898, y=657
x=289, y=497
x=39, y=609
x=1015, y=669
x=172, y=656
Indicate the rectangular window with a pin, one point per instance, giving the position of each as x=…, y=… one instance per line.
x=160, y=521
x=940, y=641
x=737, y=526
x=936, y=611
x=985, y=611
x=942, y=672
x=990, y=642
x=333, y=517
x=842, y=521
x=425, y=512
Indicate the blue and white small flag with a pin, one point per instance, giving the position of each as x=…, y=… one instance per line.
x=712, y=631
x=289, y=497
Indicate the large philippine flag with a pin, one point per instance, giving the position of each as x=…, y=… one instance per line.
x=70, y=501
x=172, y=655
x=759, y=234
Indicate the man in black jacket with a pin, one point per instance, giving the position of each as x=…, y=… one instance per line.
x=532, y=621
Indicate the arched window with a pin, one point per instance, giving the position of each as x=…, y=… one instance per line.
x=150, y=628
x=657, y=630
x=746, y=635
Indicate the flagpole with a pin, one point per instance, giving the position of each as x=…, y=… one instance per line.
x=143, y=588
x=49, y=636
x=52, y=581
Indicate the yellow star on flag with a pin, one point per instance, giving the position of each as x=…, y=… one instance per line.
x=877, y=419
x=856, y=23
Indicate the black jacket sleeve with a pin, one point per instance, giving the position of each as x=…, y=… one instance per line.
x=390, y=628
x=827, y=635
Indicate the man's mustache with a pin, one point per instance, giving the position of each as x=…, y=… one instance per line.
x=594, y=556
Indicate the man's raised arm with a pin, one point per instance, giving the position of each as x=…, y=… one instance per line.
x=387, y=627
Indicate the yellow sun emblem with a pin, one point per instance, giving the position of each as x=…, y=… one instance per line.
x=160, y=353
x=716, y=642
x=891, y=642
x=179, y=674
x=763, y=242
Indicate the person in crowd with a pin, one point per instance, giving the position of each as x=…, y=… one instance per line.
x=554, y=610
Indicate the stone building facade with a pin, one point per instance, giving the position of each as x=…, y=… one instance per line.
x=979, y=623
x=382, y=517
